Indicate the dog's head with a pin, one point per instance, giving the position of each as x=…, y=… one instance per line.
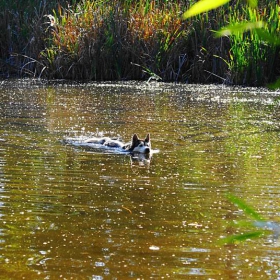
x=141, y=146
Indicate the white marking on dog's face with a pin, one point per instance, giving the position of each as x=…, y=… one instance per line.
x=142, y=148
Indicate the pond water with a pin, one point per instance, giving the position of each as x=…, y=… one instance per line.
x=76, y=213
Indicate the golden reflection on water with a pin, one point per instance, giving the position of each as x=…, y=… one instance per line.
x=85, y=214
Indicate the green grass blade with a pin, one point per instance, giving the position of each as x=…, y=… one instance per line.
x=203, y=6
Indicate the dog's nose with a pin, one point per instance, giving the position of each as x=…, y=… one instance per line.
x=147, y=150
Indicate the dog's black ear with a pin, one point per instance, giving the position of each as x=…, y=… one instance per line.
x=147, y=139
x=134, y=137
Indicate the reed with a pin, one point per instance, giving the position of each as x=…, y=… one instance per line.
x=125, y=39
x=251, y=60
x=22, y=36
x=109, y=41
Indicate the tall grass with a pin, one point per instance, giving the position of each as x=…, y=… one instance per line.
x=252, y=61
x=128, y=40
x=22, y=35
x=125, y=39
x=116, y=40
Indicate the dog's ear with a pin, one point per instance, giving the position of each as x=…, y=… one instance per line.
x=147, y=139
x=135, y=138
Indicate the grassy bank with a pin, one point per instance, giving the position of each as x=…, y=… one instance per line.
x=109, y=40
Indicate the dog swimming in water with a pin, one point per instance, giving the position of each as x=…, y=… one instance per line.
x=142, y=146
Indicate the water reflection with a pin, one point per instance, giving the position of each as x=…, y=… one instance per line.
x=77, y=213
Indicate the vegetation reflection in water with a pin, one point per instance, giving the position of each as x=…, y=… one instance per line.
x=76, y=214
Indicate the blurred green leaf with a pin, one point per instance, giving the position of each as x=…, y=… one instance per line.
x=239, y=28
x=242, y=237
x=253, y=3
x=264, y=35
x=204, y=6
x=245, y=207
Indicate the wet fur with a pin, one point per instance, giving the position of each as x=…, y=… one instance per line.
x=135, y=146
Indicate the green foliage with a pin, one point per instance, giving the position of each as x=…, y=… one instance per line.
x=274, y=85
x=106, y=41
x=101, y=40
x=253, y=35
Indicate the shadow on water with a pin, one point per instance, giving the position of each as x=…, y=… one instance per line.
x=77, y=213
